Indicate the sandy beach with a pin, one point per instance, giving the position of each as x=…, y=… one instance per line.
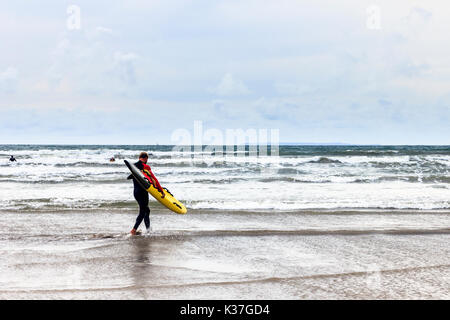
x=226, y=255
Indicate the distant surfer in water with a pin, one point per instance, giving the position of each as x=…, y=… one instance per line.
x=141, y=195
x=112, y=159
x=12, y=159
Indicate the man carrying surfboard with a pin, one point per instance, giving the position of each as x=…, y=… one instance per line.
x=141, y=195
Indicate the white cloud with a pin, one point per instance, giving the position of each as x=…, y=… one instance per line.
x=124, y=64
x=292, y=89
x=230, y=86
x=103, y=30
x=8, y=80
x=120, y=57
x=314, y=62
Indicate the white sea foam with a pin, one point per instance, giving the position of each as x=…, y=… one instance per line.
x=59, y=177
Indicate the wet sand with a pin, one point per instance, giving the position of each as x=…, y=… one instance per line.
x=226, y=255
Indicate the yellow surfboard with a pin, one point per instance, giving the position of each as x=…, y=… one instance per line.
x=169, y=201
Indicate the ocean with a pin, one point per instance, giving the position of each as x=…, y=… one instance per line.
x=304, y=222
x=47, y=178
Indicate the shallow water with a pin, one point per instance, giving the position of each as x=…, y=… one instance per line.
x=226, y=255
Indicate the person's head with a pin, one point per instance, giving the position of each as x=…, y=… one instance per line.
x=143, y=156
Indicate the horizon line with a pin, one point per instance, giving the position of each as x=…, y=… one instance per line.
x=246, y=144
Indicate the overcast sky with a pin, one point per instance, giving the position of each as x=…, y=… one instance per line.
x=133, y=72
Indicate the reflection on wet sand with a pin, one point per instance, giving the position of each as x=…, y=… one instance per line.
x=226, y=256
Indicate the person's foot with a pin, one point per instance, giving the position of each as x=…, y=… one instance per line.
x=133, y=232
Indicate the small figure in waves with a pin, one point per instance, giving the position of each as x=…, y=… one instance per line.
x=12, y=159
x=112, y=159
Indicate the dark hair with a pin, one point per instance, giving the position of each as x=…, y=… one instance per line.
x=143, y=155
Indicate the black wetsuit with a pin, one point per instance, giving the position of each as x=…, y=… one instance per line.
x=12, y=159
x=141, y=196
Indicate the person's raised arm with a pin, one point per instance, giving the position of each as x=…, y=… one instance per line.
x=154, y=180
